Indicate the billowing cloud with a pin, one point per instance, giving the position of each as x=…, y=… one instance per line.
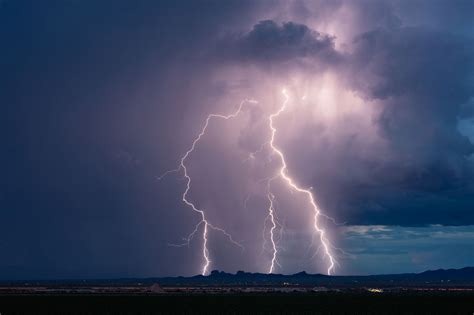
x=422, y=80
x=270, y=42
x=387, y=113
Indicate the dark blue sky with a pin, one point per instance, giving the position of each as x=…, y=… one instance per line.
x=98, y=98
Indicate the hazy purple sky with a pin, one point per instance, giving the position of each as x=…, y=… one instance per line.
x=99, y=98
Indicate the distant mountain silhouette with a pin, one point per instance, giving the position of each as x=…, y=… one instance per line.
x=466, y=273
x=440, y=277
x=464, y=276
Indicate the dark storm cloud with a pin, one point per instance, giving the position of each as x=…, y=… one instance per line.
x=271, y=43
x=415, y=61
x=423, y=80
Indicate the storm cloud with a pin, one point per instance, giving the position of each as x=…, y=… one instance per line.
x=99, y=99
x=422, y=79
x=269, y=42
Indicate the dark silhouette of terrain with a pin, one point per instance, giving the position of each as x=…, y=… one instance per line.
x=441, y=277
x=431, y=292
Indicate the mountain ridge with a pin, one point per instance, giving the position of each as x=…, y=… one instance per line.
x=445, y=277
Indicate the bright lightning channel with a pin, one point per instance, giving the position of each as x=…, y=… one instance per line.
x=283, y=173
x=204, y=221
x=271, y=216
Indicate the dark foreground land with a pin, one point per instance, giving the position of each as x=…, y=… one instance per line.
x=431, y=292
x=253, y=303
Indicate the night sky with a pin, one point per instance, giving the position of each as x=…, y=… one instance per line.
x=99, y=98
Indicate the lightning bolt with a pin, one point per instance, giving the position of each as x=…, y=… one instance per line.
x=204, y=221
x=271, y=216
x=283, y=173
